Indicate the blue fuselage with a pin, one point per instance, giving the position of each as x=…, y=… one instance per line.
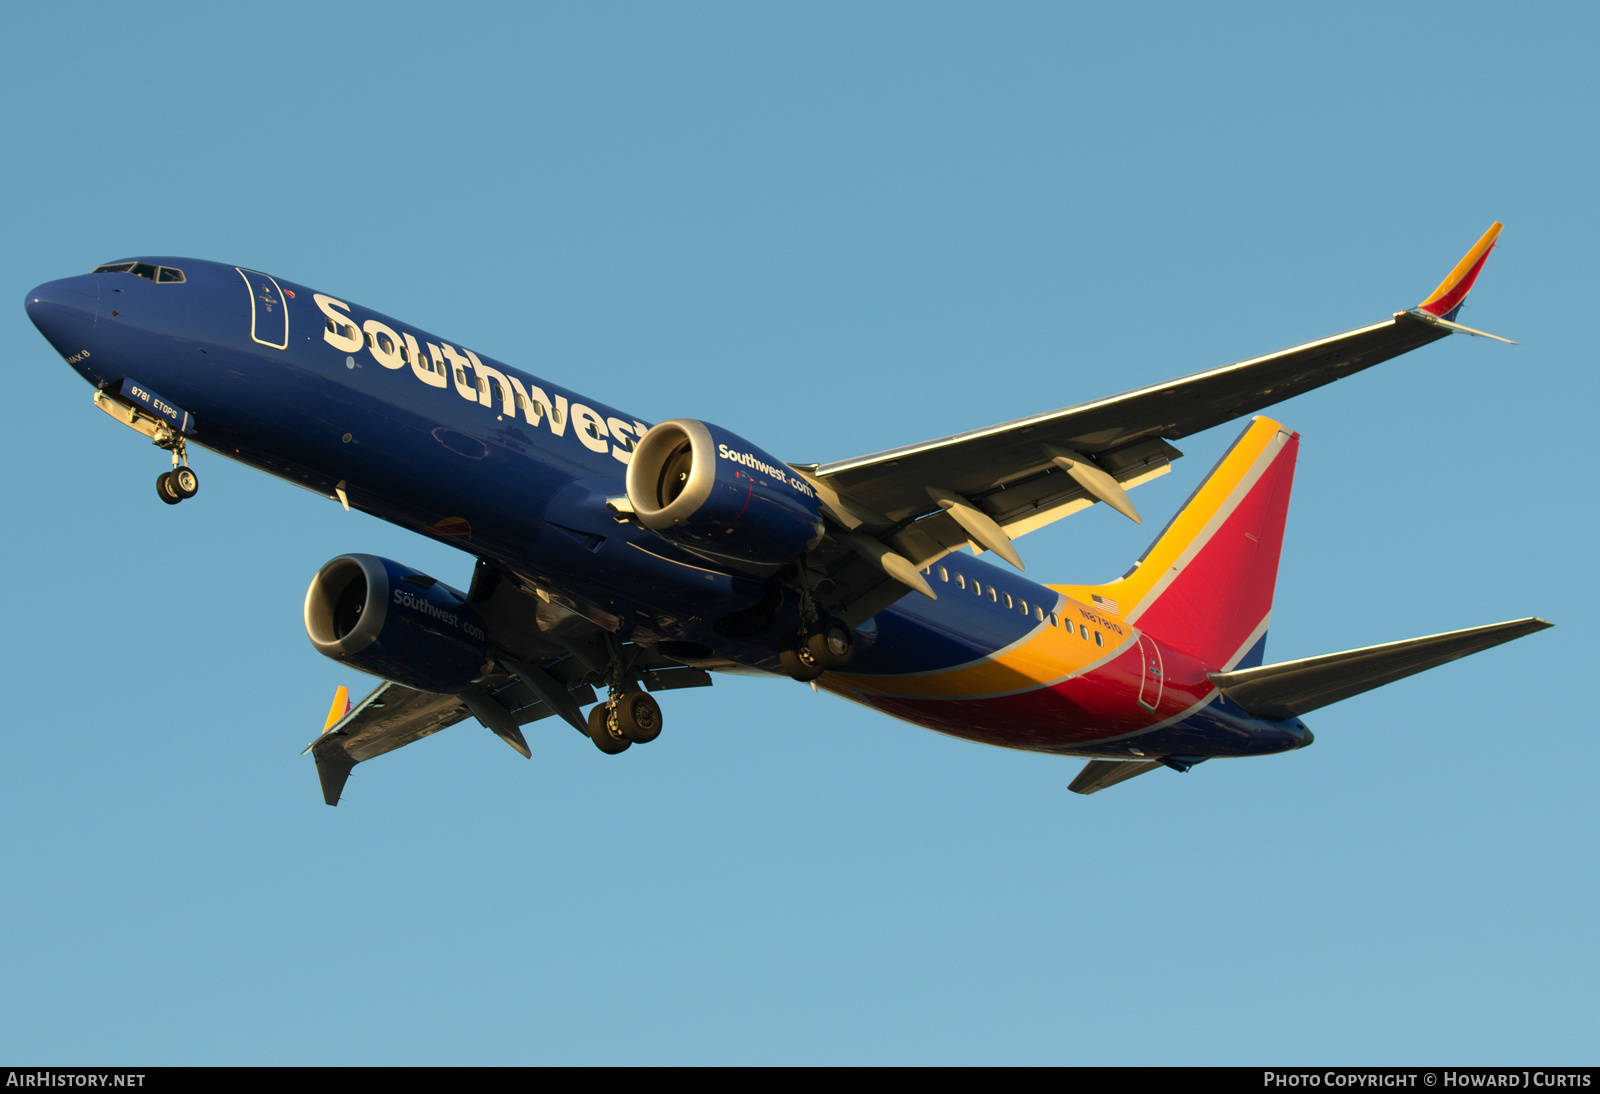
x=428, y=435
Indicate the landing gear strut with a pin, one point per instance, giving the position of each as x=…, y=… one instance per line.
x=181, y=482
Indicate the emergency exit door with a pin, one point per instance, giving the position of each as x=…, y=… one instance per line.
x=269, y=318
x=1149, y=674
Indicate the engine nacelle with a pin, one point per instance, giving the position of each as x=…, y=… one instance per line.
x=392, y=621
x=715, y=493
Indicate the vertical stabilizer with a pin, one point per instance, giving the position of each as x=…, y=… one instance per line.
x=1205, y=585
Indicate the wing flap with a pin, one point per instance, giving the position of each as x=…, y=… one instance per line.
x=1292, y=688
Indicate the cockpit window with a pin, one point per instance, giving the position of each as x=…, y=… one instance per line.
x=162, y=274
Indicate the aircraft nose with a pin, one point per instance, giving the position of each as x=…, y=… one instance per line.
x=65, y=311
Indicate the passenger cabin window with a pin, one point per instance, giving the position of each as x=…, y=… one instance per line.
x=994, y=596
x=1083, y=632
x=961, y=581
x=1055, y=620
x=1099, y=639
x=1038, y=613
x=1010, y=603
x=944, y=575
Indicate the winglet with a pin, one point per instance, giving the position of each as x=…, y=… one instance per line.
x=340, y=707
x=1446, y=299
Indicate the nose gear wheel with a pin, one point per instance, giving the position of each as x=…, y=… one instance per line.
x=181, y=482
x=165, y=490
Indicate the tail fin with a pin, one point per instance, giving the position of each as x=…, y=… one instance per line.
x=1205, y=585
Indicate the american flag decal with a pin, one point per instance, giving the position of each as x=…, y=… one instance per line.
x=1104, y=602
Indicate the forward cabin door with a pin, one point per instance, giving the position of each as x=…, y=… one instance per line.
x=1149, y=674
x=269, y=319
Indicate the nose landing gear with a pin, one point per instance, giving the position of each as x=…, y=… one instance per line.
x=176, y=485
x=181, y=482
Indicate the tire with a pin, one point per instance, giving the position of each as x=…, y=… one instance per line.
x=799, y=667
x=165, y=490
x=600, y=731
x=638, y=717
x=185, y=483
x=832, y=646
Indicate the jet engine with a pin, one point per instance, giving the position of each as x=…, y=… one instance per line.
x=387, y=619
x=715, y=493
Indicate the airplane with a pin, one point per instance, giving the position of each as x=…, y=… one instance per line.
x=617, y=558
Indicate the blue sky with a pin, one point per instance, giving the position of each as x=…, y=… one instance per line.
x=833, y=229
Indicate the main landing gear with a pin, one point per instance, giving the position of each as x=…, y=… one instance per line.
x=628, y=718
x=181, y=482
x=826, y=644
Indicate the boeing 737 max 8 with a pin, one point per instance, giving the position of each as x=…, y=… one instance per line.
x=615, y=557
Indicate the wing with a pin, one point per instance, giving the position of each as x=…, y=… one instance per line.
x=393, y=716
x=547, y=662
x=988, y=486
x=1122, y=431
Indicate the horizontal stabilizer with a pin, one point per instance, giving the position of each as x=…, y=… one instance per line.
x=1298, y=687
x=1099, y=774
